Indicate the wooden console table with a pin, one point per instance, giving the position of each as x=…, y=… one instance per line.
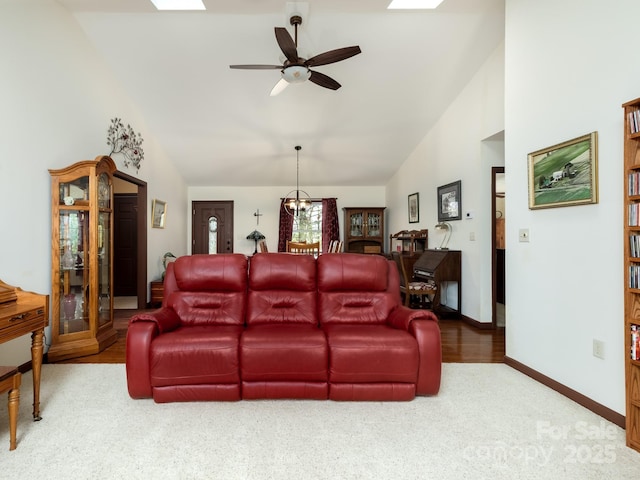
x=22, y=313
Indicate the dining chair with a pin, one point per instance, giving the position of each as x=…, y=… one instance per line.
x=335, y=246
x=304, y=248
x=408, y=288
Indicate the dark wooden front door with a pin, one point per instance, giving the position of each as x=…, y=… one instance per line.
x=212, y=230
x=125, y=245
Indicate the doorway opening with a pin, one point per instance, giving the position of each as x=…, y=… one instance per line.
x=498, y=246
x=129, y=242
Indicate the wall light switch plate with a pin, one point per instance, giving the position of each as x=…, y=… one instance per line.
x=598, y=348
x=523, y=235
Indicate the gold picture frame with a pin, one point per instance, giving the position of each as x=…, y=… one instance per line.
x=158, y=213
x=565, y=174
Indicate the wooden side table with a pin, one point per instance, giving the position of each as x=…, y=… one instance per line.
x=10, y=379
x=157, y=293
x=22, y=313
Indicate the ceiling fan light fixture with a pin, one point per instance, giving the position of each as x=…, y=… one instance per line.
x=296, y=74
x=414, y=4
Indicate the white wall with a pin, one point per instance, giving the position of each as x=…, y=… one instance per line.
x=463, y=145
x=57, y=101
x=569, y=67
x=247, y=200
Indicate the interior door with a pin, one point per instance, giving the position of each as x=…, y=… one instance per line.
x=125, y=248
x=212, y=227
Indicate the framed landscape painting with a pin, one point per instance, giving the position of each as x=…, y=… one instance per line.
x=565, y=174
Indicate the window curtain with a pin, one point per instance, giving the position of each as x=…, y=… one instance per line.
x=330, y=223
x=286, y=228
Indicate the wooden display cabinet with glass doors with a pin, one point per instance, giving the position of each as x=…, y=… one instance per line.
x=632, y=270
x=82, y=264
x=364, y=230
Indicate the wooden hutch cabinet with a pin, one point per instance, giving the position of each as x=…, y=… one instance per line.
x=81, y=253
x=409, y=242
x=364, y=230
x=632, y=270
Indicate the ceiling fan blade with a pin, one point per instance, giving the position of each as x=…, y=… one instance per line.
x=287, y=45
x=332, y=56
x=257, y=67
x=279, y=87
x=324, y=81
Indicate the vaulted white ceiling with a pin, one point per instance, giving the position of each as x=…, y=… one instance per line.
x=221, y=127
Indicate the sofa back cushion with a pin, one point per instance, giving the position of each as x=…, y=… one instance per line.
x=210, y=289
x=282, y=289
x=355, y=289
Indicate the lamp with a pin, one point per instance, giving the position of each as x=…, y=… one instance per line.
x=446, y=226
x=255, y=236
x=293, y=206
x=167, y=258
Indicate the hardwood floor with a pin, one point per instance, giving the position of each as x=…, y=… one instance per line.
x=461, y=343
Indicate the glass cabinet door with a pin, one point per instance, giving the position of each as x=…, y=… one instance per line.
x=104, y=270
x=356, y=222
x=75, y=192
x=373, y=225
x=74, y=271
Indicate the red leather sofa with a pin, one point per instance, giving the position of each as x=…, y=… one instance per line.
x=283, y=326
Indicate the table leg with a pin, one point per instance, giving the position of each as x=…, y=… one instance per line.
x=14, y=402
x=36, y=364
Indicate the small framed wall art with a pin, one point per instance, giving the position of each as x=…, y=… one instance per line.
x=158, y=213
x=414, y=208
x=450, y=202
x=565, y=174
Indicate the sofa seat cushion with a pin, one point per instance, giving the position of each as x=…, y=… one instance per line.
x=371, y=353
x=196, y=355
x=283, y=352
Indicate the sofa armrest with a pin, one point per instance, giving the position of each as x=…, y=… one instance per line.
x=166, y=319
x=427, y=334
x=138, y=353
x=401, y=317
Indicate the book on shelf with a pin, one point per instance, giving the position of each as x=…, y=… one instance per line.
x=635, y=342
x=634, y=184
x=634, y=276
x=634, y=215
x=634, y=121
x=634, y=246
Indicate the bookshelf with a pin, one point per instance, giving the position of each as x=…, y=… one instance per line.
x=409, y=242
x=632, y=270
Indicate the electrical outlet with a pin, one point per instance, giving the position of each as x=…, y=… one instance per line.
x=598, y=348
x=523, y=235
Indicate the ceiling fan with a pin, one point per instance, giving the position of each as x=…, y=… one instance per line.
x=297, y=69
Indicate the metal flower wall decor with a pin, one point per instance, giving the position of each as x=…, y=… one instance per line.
x=124, y=140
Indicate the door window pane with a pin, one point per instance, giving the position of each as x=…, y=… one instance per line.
x=213, y=235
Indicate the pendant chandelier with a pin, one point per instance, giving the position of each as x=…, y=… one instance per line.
x=297, y=200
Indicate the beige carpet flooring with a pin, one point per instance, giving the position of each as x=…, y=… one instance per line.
x=488, y=422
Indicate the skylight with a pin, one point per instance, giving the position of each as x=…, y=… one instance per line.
x=179, y=4
x=413, y=4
